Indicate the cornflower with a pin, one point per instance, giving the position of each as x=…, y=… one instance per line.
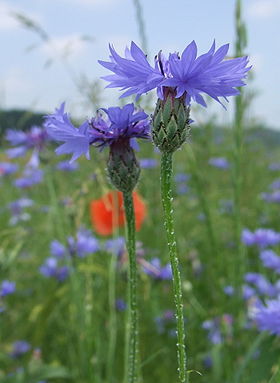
x=178, y=81
x=117, y=130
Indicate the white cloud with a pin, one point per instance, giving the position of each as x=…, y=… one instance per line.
x=264, y=9
x=71, y=45
x=15, y=86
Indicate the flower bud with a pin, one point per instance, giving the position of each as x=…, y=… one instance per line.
x=123, y=168
x=170, y=121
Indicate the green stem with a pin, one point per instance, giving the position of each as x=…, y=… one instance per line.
x=112, y=318
x=112, y=301
x=166, y=175
x=237, y=175
x=131, y=373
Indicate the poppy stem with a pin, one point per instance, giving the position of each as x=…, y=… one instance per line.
x=131, y=355
x=166, y=193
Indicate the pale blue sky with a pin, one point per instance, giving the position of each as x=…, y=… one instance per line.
x=170, y=26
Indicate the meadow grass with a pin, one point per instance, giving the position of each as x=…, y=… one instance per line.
x=71, y=321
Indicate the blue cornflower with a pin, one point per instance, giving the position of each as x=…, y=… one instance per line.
x=274, y=166
x=261, y=237
x=19, y=348
x=271, y=260
x=148, y=163
x=214, y=332
x=116, y=246
x=83, y=244
x=120, y=304
x=50, y=268
x=229, y=290
x=267, y=316
x=6, y=168
x=65, y=166
x=17, y=210
x=263, y=286
x=219, y=162
x=271, y=197
x=7, y=288
x=121, y=125
x=31, y=176
x=35, y=138
x=57, y=249
x=274, y=185
x=155, y=270
x=188, y=75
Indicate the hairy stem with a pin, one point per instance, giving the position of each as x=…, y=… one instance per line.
x=131, y=371
x=166, y=174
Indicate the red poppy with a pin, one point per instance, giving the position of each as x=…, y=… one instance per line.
x=107, y=213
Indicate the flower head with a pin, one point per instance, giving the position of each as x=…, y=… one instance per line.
x=6, y=168
x=107, y=213
x=35, y=138
x=132, y=73
x=51, y=269
x=270, y=260
x=155, y=270
x=189, y=74
x=261, y=237
x=7, y=288
x=121, y=124
x=219, y=162
x=19, y=348
x=267, y=316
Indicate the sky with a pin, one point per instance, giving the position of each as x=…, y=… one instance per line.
x=39, y=74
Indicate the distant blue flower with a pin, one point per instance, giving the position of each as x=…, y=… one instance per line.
x=120, y=304
x=274, y=185
x=182, y=188
x=226, y=206
x=181, y=177
x=84, y=243
x=263, y=286
x=261, y=237
x=207, y=361
x=219, y=162
x=19, y=348
x=31, y=176
x=214, y=332
x=267, y=316
x=116, y=246
x=17, y=210
x=6, y=168
x=50, y=268
x=271, y=197
x=248, y=292
x=148, y=163
x=57, y=249
x=229, y=290
x=271, y=260
x=154, y=269
x=165, y=323
x=181, y=182
x=121, y=124
x=67, y=167
x=274, y=166
x=7, y=288
x=35, y=139
x=189, y=75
